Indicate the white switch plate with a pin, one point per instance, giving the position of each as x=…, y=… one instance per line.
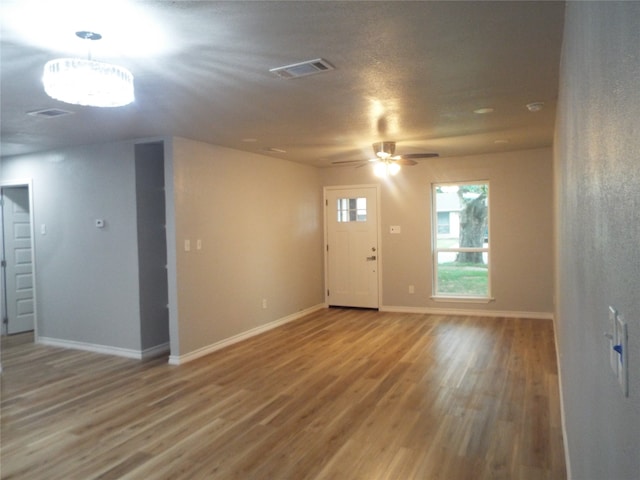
x=187, y=245
x=611, y=335
x=99, y=223
x=623, y=367
x=394, y=229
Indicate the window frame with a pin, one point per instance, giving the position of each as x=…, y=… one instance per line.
x=435, y=250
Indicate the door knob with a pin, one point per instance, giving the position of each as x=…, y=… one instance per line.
x=371, y=258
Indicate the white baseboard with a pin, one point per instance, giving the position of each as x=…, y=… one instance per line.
x=461, y=311
x=156, y=351
x=105, y=349
x=201, y=352
x=563, y=422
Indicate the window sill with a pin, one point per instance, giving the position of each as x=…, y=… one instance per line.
x=463, y=299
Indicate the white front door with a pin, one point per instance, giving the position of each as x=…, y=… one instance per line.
x=18, y=267
x=352, y=246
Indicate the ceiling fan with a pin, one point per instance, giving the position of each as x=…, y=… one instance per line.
x=386, y=162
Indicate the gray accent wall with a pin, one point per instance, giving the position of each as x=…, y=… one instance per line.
x=152, y=244
x=597, y=187
x=86, y=277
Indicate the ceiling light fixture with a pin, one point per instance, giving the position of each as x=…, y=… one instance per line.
x=385, y=168
x=384, y=165
x=87, y=82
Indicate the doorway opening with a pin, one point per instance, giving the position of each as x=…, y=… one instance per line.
x=17, y=281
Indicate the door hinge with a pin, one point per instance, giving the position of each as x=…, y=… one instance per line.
x=327, y=247
x=327, y=292
x=3, y=263
x=5, y=321
x=326, y=202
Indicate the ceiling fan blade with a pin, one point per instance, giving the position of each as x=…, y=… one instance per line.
x=347, y=162
x=418, y=155
x=405, y=161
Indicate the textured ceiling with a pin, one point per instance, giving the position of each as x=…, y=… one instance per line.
x=412, y=72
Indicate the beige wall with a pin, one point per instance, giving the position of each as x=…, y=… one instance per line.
x=260, y=223
x=521, y=228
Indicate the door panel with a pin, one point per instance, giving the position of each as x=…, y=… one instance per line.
x=352, y=241
x=18, y=256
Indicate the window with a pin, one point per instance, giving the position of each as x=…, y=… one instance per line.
x=352, y=209
x=444, y=222
x=461, y=240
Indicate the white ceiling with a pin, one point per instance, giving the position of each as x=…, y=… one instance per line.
x=412, y=72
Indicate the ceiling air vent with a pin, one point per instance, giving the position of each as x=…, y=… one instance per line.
x=302, y=69
x=50, y=113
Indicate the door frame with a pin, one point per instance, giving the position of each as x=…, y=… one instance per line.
x=379, y=253
x=28, y=183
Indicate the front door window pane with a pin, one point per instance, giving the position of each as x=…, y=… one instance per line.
x=352, y=209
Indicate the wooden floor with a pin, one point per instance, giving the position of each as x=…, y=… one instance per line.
x=340, y=394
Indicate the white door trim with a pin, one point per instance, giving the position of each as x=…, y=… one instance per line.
x=380, y=251
x=29, y=184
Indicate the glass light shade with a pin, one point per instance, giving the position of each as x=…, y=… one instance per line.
x=394, y=168
x=380, y=169
x=85, y=82
x=384, y=169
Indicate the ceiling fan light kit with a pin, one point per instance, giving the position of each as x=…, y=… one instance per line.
x=386, y=162
x=384, y=169
x=384, y=149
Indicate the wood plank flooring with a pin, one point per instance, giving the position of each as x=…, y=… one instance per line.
x=340, y=394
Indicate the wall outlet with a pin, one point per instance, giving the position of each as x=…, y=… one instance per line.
x=264, y=303
x=412, y=289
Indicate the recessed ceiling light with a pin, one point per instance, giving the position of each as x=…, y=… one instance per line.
x=275, y=150
x=483, y=111
x=535, y=106
x=249, y=140
x=501, y=141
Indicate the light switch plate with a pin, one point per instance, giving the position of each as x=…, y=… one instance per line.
x=394, y=229
x=623, y=366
